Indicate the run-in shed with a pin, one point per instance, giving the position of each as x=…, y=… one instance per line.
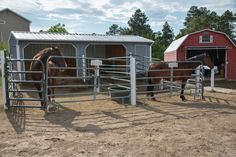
x=26, y=44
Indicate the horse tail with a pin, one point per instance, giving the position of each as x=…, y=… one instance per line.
x=150, y=86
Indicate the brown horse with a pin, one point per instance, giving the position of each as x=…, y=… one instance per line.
x=36, y=65
x=159, y=70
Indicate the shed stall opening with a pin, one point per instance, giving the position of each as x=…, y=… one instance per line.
x=67, y=50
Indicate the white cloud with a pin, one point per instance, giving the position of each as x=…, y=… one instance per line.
x=120, y=13
x=157, y=24
x=47, y=19
x=170, y=18
x=98, y=4
x=51, y=5
x=168, y=7
x=34, y=28
x=66, y=16
x=20, y=6
x=88, y=12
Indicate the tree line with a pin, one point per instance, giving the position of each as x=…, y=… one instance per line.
x=197, y=18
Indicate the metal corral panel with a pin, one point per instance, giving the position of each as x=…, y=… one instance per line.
x=45, y=36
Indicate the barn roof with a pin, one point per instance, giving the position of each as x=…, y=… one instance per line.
x=45, y=36
x=177, y=43
x=7, y=9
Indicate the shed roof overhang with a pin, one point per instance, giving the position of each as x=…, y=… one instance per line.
x=65, y=37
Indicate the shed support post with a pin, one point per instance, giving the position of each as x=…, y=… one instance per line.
x=84, y=67
x=132, y=80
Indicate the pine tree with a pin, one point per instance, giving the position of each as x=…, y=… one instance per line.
x=139, y=26
x=167, y=35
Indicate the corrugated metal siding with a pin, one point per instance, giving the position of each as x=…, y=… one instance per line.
x=36, y=36
x=96, y=51
x=12, y=45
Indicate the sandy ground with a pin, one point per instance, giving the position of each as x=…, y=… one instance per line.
x=167, y=127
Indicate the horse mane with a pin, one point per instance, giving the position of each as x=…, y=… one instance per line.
x=45, y=52
x=197, y=57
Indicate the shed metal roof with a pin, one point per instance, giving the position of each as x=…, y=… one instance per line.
x=45, y=36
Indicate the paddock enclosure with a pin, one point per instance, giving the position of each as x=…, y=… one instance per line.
x=99, y=67
x=121, y=79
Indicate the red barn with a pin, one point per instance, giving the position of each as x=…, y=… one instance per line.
x=218, y=45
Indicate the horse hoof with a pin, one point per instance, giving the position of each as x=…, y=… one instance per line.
x=151, y=98
x=184, y=100
x=52, y=107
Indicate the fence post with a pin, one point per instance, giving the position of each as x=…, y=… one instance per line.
x=4, y=87
x=161, y=85
x=132, y=80
x=213, y=79
x=171, y=80
x=97, y=75
x=202, y=81
x=197, y=90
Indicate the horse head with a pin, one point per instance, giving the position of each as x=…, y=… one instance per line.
x=207, y=61
x=57, y=58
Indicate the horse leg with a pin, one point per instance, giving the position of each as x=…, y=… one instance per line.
x=53, y=89
x=49, y=91
x=38, y=86
x=150, y=88
x=183, y=83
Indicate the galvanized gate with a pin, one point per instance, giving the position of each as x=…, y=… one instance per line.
x=18, y=88
x=97, y=79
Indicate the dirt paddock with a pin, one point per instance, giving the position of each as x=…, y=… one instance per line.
x=167, y=127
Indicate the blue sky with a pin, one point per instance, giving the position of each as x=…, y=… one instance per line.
x=96, y=16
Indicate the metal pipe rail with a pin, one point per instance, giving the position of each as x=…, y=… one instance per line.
x=16, y=81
